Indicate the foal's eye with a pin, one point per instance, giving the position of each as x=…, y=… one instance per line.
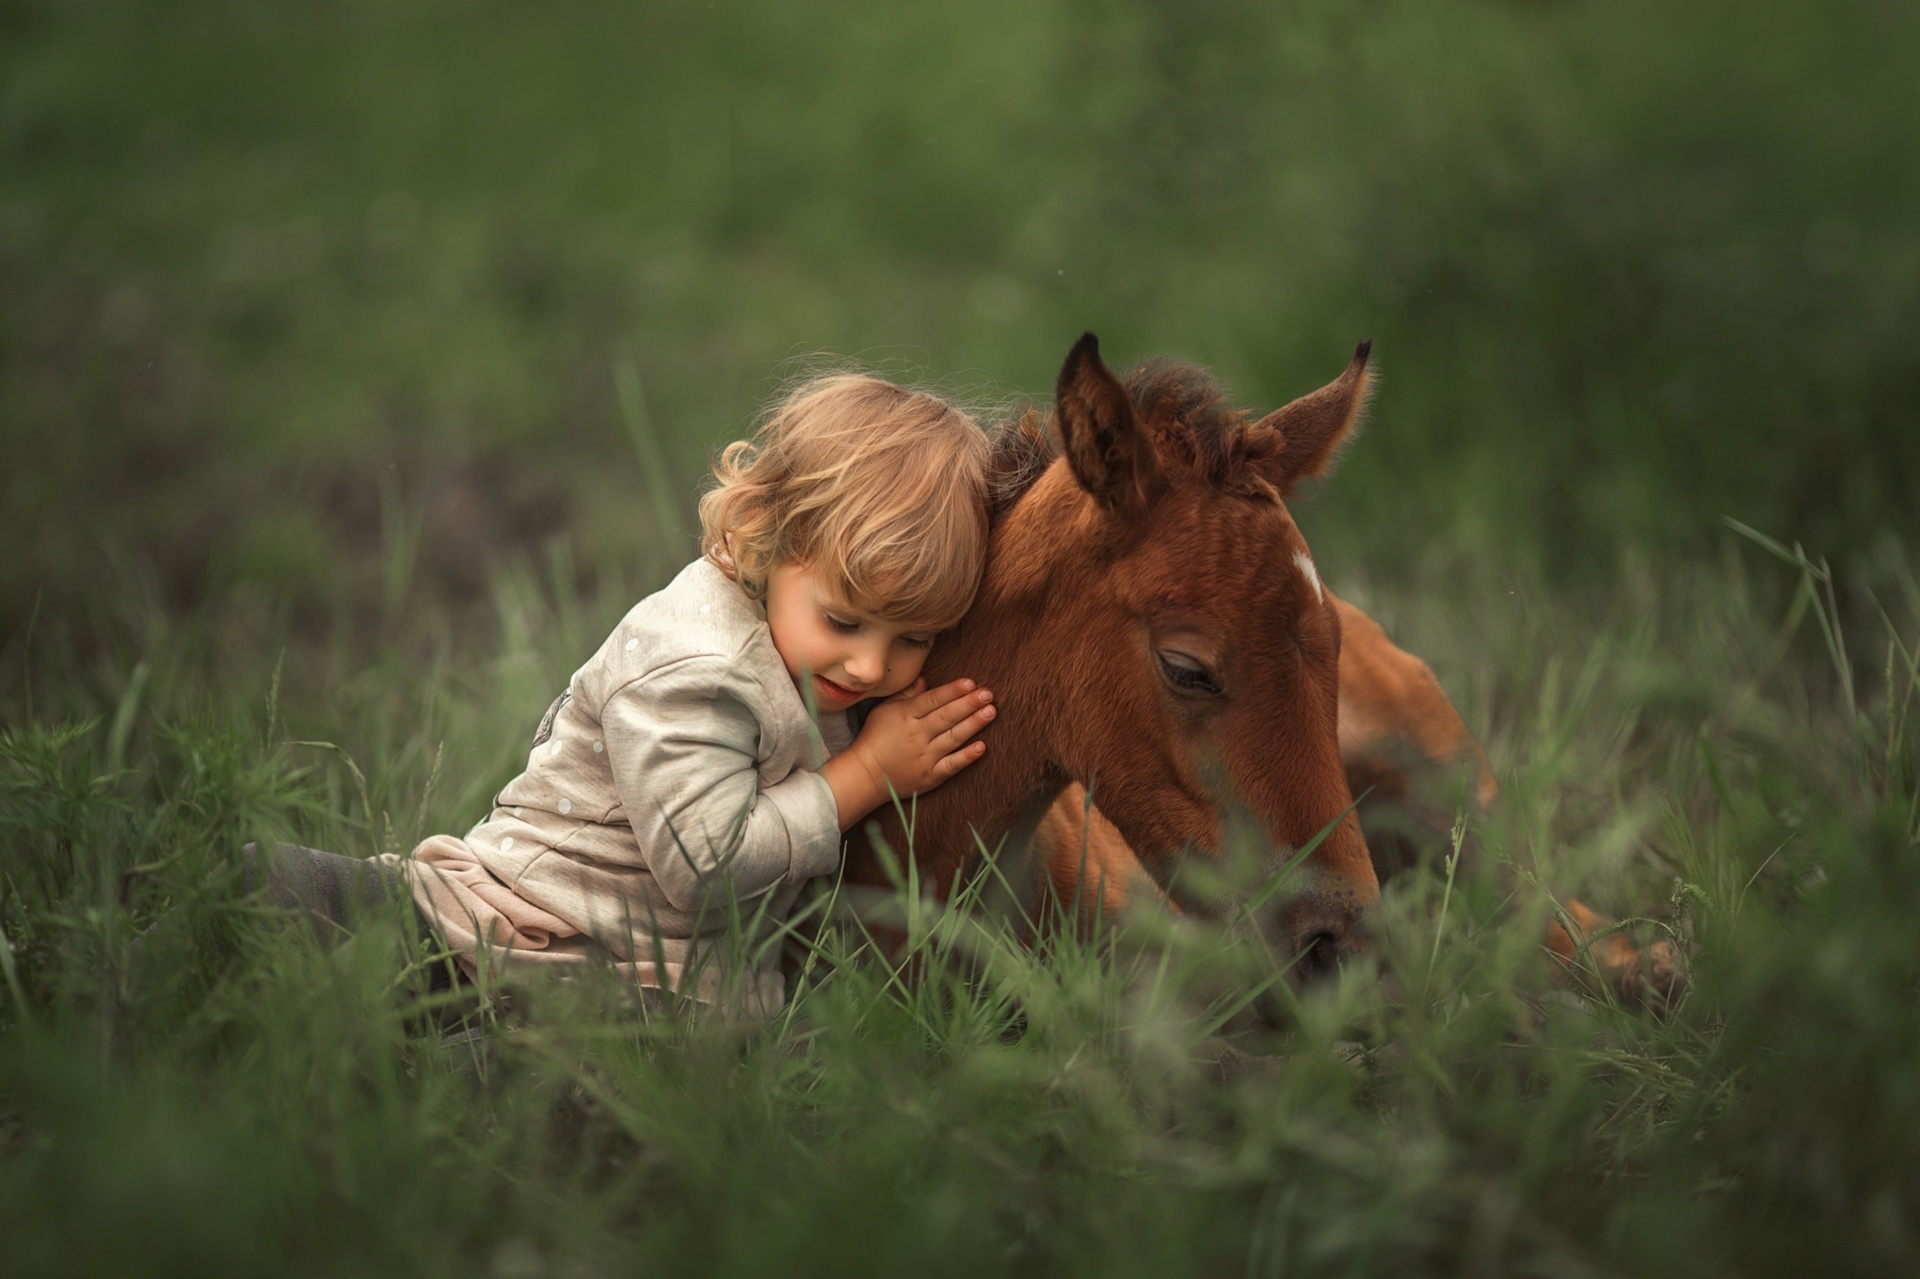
x=1187, y=674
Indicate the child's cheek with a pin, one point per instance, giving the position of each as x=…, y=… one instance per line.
x=914, y=664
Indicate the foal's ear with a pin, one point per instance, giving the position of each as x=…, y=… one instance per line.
x=1104, y=442
x=1313, y=429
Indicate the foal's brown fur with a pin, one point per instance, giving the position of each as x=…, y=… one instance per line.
x=1152, y=629
x=1400, y=739
x=1405, y=750
x=1152, y=544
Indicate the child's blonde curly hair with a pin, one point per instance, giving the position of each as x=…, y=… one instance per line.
x=881, y=489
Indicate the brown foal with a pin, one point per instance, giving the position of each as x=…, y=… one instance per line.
x=1151, y=620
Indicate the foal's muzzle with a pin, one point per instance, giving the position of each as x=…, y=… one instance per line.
x=1315, y=935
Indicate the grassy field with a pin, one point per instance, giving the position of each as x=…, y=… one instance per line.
x=358, y=364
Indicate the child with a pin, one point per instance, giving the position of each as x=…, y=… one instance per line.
x=702, y=759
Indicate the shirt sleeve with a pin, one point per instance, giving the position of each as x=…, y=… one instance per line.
x=683, y=745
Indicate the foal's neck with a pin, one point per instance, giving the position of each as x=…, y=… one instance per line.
x=1001, y=795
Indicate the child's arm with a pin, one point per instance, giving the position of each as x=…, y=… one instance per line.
x=682, y=743
x=911, y=742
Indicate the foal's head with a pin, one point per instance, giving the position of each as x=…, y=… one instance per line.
x=1190, y=650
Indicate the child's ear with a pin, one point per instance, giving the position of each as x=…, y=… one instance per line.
x=1101, y=435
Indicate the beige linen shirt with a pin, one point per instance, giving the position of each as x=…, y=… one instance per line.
x=672, y=789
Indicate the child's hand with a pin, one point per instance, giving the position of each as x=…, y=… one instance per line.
x=911, y=742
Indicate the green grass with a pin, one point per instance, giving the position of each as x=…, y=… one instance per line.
x=1678, y=746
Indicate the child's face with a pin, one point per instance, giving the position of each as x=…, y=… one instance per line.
x=843, y=654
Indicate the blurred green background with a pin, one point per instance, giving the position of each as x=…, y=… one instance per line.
x=381, y=347
x=332, y=302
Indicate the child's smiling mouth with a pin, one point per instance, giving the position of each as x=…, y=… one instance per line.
x=837, y=692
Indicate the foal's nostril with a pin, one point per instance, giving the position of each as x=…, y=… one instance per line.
x=1319, y=955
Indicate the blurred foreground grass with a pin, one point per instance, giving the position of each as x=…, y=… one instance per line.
x=238, y=1099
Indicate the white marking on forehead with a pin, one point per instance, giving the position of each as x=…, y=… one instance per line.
x=1308, y=571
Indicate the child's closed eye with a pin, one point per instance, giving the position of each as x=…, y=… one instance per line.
x=917, y=641
x=844, y=625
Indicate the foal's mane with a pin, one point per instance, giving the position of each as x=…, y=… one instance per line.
x=1184, y=409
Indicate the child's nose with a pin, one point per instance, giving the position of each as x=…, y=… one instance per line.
x=867, y=665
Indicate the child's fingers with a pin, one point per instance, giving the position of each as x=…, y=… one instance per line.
x=951, y=764
x=911, y=691
x=934, y=699
x=947, y=705
x=955, y=735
